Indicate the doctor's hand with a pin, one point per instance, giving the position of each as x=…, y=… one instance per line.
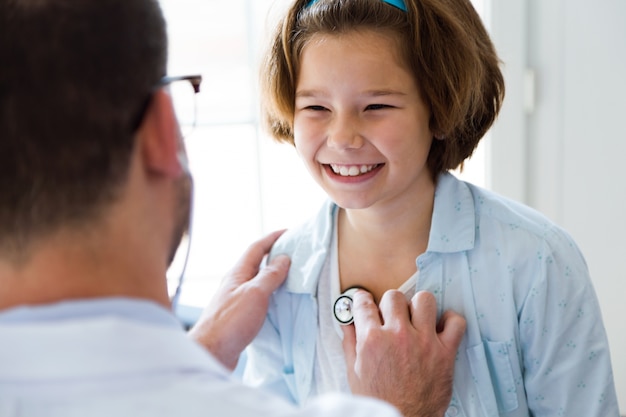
x=399, y=353
x=238, y=309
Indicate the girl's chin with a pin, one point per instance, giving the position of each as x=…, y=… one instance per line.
x=350, y=204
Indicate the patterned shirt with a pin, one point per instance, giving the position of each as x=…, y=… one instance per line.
x=535, y=343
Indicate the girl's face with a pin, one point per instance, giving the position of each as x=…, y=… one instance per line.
x=360, y=123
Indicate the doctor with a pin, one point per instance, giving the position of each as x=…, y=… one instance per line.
x=94, y=198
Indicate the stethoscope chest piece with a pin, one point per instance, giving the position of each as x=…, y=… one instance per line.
x=342, y=309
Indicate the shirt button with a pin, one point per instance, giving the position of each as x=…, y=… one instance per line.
x=452, y=411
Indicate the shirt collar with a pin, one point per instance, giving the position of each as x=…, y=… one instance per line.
x=96, y=338
x=453, y=226
x=135, y=309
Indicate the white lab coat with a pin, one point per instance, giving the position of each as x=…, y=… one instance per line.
x=116, y=365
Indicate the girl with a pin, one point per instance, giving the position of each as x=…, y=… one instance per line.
x=381, y=98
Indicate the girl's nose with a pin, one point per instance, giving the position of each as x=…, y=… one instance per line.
x=344, y=134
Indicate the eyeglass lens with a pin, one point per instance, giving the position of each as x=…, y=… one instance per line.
x=185, y=106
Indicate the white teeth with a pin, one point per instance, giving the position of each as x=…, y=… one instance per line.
x=352, y=170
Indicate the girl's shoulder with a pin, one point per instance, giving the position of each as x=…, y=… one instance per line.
x=309, y=235
x=307, y=245
x=494, y=216
x=501, y=218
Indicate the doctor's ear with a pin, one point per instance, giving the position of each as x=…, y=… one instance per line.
x=159, y=138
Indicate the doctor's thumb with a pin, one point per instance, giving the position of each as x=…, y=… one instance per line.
x=274, y=273
x=349, y=345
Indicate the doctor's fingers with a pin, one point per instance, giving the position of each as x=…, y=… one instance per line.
x=365, y=312
x=247, y=266
x=424, y=312
x=349, y=346
x=271, y=276
x=376, y=333
x=450, y=329
x=394, y=309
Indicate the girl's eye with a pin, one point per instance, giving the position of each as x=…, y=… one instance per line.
x=378, y=106
x=315, y=108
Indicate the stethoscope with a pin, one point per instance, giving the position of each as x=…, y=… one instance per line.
x=342, y=309
x=176, y=296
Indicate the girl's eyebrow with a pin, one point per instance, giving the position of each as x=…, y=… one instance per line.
x=377, y=93
x=369, y=93
x=309, y=93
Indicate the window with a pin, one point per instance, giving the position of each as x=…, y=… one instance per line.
x=245, y=184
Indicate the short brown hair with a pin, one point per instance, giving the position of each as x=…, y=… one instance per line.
x=444, y=43
x=74, y=78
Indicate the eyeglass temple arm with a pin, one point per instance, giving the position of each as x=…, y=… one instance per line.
x=195, y=80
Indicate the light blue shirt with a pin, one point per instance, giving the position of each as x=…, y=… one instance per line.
x=535, y=343
x=123, y=358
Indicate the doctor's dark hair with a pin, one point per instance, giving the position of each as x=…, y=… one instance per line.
x=74, y=80
x=443, y=42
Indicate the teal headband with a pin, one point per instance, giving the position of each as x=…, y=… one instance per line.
x=395, y=3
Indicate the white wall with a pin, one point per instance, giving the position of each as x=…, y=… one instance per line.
x=568, y=150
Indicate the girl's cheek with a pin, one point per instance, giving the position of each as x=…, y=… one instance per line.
x=305, y=132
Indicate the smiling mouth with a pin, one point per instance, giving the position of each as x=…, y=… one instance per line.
x=352, y=170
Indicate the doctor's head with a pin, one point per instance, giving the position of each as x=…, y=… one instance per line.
x=77, y=83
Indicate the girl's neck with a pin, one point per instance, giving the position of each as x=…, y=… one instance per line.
x=378, y=247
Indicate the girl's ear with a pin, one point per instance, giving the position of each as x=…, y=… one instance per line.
x=160, y=139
